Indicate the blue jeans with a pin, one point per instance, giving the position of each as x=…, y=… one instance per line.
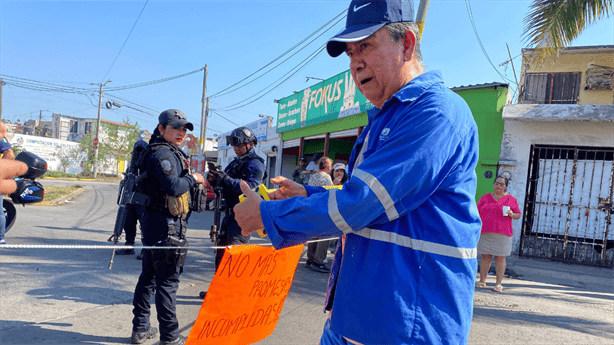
x=2, y=219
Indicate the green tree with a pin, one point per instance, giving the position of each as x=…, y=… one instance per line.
x=554, y=24
x=115, y=141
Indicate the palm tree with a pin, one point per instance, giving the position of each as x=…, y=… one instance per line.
x=553, y=24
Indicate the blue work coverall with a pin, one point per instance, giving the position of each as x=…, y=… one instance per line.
x=407, y=272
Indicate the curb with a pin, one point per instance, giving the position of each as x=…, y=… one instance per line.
x=62, y=200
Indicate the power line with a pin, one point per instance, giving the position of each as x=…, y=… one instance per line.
x=264, y=91
x=123, y=100
x=475, y=30
x=225, y=118
x=50, y=87
x=223, y=92
x=158, y=81
x=137, y=20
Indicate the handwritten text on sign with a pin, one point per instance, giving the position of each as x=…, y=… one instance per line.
x=246, y=295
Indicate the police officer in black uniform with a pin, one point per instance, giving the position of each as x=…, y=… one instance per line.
x=247, y=166
x=167, y=181
x=134, y=212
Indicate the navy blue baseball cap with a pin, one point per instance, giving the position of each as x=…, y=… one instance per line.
x=175, y=118
x=365, y=17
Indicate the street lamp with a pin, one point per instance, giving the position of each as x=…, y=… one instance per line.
x=98, y=128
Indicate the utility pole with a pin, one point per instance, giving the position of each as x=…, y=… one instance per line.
x=40, y=123
x=96, y=140
x=421, y=16
x=1, y=87
x=203, y=119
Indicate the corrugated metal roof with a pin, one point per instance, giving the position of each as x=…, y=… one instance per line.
x=478, y=86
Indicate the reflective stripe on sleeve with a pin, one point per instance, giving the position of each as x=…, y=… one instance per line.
x=335, y=215
x=379, y=190
x=423, y=246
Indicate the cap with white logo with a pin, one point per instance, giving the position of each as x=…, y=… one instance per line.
x=365, y=17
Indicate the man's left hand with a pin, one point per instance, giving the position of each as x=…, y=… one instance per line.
x=247, y=213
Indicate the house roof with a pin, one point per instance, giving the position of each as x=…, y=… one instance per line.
x=478, y=86
x=574, y=49
x=559, y=112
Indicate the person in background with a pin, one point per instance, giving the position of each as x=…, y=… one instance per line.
x=317, y=251
x=247, y=166
x=168, y=184
x=311, y=168
x=296, y=175
x=338, y=174
x=313, y=165
x=6, y=150
x=497, y=210
x=408, y=209
x=133, y=212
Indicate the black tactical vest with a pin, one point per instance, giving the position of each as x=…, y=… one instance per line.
x=150, y=186
x=238, y=169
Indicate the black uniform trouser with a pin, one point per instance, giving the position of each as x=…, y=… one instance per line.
x=165, y=279
x=230, y=234
x=133, y=213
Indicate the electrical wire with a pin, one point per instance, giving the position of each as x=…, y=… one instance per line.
x=475, y=30
x=223, y=92
x=158, y=81
x=123, y=100
x=289, y=75
x=225, y=118
x=122, y=48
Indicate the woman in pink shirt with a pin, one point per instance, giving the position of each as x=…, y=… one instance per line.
x=497, y=209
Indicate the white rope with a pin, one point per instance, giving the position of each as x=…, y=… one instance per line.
x=109, y=247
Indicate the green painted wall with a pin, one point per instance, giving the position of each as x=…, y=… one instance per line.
x=333, y=126
x=334, y=147
x=486, y=105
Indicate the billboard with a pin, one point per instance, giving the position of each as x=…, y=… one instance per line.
x=328, y=100
x=257, y=127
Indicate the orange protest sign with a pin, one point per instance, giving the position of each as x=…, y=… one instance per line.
x=246, y=295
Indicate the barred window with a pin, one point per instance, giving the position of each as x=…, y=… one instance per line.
x=551, y=88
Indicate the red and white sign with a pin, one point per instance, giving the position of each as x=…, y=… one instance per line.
x=95, y=141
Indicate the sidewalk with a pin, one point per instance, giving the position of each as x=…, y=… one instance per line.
x=596, y=279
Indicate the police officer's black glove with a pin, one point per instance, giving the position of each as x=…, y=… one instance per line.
x=221, y=179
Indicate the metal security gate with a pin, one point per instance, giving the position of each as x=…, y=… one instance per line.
x=568, y=210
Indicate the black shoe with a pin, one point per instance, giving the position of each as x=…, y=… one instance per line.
x=308, y=263
x=124, y=252
x=202, y=294
x=141, y=337
x=179, y=341
x=319, y=268
x=140, y=256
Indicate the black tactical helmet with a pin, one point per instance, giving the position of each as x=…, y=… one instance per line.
x=241, y=135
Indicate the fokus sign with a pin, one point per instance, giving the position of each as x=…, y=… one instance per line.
x=331, y=99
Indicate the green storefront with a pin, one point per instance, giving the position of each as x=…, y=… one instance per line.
x=328, y=117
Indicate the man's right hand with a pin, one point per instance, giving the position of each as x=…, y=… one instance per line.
x=287, y=189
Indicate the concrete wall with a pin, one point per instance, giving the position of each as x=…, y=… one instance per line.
x=519, y=135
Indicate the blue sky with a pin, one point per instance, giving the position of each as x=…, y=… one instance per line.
x=74, y=43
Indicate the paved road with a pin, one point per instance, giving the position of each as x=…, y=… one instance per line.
x=61, y=296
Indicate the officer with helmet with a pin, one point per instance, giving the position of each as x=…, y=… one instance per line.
x=247, y=166
x=168, y=183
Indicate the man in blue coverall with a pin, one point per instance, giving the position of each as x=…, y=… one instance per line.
x=407, y=270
